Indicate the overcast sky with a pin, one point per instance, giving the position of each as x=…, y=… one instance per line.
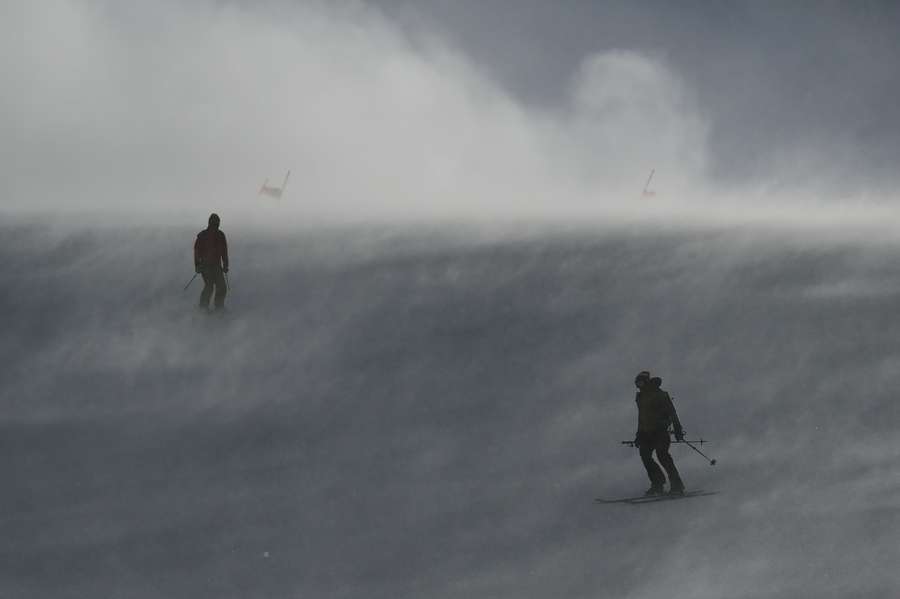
x=771, y=77
x=434, y=108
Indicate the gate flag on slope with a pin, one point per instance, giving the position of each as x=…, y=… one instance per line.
x=274, y=192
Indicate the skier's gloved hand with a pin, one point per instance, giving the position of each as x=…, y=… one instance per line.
x=637, y=442
x=225, y=269
x=198, y=268
x=679, y=435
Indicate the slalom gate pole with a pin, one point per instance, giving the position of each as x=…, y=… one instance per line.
x=191, y=281
x=647, y=184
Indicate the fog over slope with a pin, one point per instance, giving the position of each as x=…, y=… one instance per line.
x=427, y=365
x=431, y=415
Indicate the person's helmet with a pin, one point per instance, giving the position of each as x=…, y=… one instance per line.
x=642, y=377
x=214, y=220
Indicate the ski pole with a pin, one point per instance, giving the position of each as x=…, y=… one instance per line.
x=227, y=283
x=711, y=462
x=191, y=281
x=686, y=442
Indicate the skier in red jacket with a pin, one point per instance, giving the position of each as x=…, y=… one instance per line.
x=211, y=261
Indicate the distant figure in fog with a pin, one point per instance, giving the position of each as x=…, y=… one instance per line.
x=656, y=413
x=211, y=261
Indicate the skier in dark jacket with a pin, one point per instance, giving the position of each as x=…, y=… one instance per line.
x=211, y=261
x=656, y=413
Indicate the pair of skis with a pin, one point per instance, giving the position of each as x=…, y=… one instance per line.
x=642, y=499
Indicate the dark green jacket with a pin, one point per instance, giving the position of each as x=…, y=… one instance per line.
x=656, y=411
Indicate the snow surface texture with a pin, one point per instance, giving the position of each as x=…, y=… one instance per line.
x=425, y=414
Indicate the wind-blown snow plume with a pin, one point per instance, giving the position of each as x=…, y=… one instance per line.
x=424, y=414
x=170, y=107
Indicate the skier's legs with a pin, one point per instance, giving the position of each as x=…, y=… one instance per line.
x=208, y=283
x=657, y=478
x=665, y=458
x=221, y=288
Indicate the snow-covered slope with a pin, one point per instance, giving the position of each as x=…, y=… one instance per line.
x=430, y=414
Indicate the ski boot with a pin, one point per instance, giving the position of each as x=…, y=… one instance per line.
x=653, y=491
x=676, y=491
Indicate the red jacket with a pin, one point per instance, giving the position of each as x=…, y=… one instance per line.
x=211, y=249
